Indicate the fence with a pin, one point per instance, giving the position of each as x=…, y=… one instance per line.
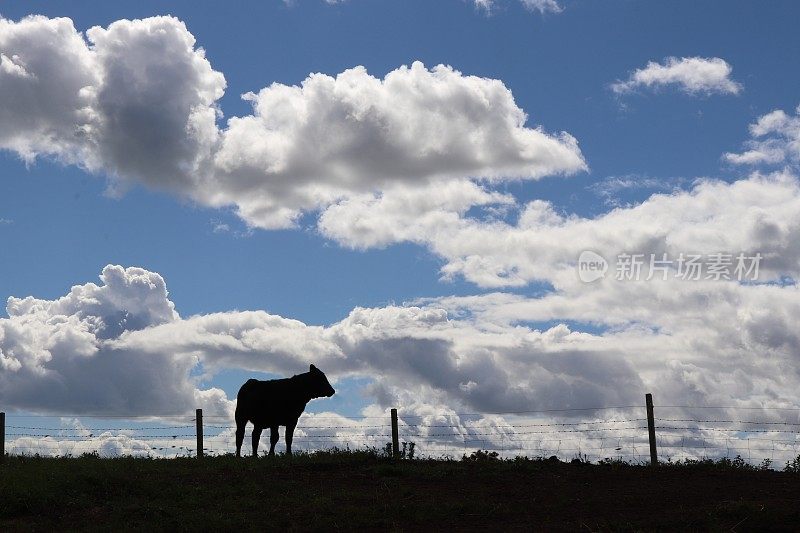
x=668, y=432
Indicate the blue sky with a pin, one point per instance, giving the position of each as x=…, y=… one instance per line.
x=61, y=226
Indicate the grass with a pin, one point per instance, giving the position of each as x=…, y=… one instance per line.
x=337, y=489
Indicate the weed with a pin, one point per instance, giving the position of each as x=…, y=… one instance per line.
x=406, y=450
x=793, y=465
x=481, y=456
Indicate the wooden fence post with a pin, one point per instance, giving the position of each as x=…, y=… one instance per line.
x=395, y=436
x=651, y=429
x=2, y=437
x=199, y=419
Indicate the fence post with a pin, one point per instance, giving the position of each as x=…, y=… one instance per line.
x=395, y=436
x=2, y=437
x=651, y=429
x=199, y=419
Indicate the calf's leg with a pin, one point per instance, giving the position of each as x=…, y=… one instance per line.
x=256, y=437
x=273, y=439
x=240, y=425
x=289, y=435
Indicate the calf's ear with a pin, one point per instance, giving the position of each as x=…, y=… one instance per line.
x=312, y=368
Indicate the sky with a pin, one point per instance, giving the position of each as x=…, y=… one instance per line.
x=399, y=193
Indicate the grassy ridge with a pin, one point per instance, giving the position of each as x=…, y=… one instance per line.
x=347, y=490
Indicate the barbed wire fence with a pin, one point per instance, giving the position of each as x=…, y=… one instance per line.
x=768, y=437
x=104, y=435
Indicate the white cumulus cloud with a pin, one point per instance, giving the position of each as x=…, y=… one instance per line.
x=775, y=140
x=692, y=75
x=56, y=355
x=306, y=146
x=137, y=101
x=111, y=104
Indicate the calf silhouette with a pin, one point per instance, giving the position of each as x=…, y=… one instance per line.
x=277, y=402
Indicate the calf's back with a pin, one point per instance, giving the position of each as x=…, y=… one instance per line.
x=268, y=403
x=280, y=402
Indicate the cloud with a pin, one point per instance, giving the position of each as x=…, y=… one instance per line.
x=704, y=343
x=56, y=355
x=107, y=444
x=757, y=214
x=692, y=75
x=218, y=226
x=120, y=348
x=154, y=113
x=45, y=69
x=110, y=105
x=542, y=6
x=361, y=134
x=291, y=3
x=408, y=350
x=609, y=188
x=775, y=141
x=404, y=213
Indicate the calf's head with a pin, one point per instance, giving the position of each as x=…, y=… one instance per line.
x=319, y=383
